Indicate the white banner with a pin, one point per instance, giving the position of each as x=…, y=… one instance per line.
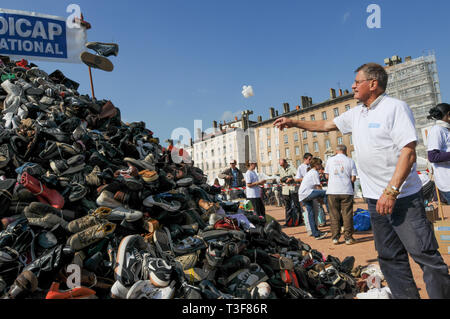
x=35, y=36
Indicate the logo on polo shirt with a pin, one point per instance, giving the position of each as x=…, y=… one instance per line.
x=374, y=125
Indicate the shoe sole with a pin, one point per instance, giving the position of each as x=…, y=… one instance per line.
x=96, y=61
x=162, y=240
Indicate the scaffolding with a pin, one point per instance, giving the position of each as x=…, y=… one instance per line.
x=416, y=82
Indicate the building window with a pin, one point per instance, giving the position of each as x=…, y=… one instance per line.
x=314, y=134
x=324, y=115
x=313, y=118
x=269, y=155
x=303, y=118
x=306, y=148
x=295, y=137
x=262, y=157
x=213, y=165
x=327, y=144
x=212, y=153
x=347, y=107
x=278, y=154
x=351, y=139
x=340, y=141
x=298, y=163
x=268, y=143
x=288, y=153
x=305, y=135
x=316, y=147
x=336, y=112
x=297, y=150
x=286, y=139
x=268, y=131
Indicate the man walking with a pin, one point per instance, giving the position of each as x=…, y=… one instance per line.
x=233, y=178
x=341, y=173
x=385, y=141
x=290, y=197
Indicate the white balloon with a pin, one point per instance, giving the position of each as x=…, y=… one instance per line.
x=247, y=91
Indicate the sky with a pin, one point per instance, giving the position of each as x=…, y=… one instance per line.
x=181, y=61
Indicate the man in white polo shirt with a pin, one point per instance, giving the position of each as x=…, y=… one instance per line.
x=340, y=171
x=385, y=141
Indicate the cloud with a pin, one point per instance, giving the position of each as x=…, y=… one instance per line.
x=345, y=17
x=229, y=115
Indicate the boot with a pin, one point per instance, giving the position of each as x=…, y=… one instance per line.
x=24, y=284
x=42, y=192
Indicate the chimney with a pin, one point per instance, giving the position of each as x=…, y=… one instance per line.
x=304, y=101
x=286, y=107
x=215, y=125
x=408, y=58
x=260, y=118
x=190, y=142
x=272, y=112
x=332, y=94
x=276, y=113
x=340, y=92
x=310, y=101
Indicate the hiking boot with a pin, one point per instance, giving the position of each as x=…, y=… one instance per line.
x=96, y=61
x=103, y=49
x=143, y=289
x=156, y=270
x=129, y=260
x=90, y=236
x=98, y=216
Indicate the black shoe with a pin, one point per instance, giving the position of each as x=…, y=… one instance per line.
x=103, y=49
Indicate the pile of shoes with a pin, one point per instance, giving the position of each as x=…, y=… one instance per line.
x=92, y=207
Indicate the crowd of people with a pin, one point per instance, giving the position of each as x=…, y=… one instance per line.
x=385, y=140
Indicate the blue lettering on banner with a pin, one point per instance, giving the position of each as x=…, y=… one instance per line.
x=32, y=36
x=374, y=125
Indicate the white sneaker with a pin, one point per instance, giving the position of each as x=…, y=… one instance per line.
x=120, y=213
x=143, y=289
x=119, y=291
x=376, y=293
x=106, y=199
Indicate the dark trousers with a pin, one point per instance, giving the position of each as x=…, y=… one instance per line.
x=341, y=208
x=292, y=206
x=407, y=230
x=258, y=206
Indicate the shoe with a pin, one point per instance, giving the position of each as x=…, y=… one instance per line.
x=96, y=61
x=350, y=241
x=24, y=284
x=155, y=200
x=143, y=289
x=43, y=193
x=261, y=291
x=335, y=241
x=157, y=270
x=322, y=236
x=149, y=176
x=211, y=292
x=188, y=245
x=215, y=254
x=77, y=192
x=75, y=293
x=98, y=216
x=163, y=242
x=195, y=275
x=129, y=260
x=188, y=260
x=90, y=236
x=71, y=166
x=106, y=199
x=43, y=215
x=103, y=49
x=119, y=291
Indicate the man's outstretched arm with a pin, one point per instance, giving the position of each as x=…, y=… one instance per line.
x=312, y=126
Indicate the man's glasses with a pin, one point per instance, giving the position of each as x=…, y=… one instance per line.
x=359, y=82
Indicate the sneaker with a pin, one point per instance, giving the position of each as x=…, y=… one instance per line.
x=195, y=275
x=155, y=200
x=98, y=216
x=335, y=241
x=119, y=291
x=188, y=260
x=350, y=241
x=163, y=242
x=149, y=176
x=90, y=236
x=122, y=213
x=129, y=260
x=157, y=270
x=143, y=289
x=215, y=253
x=96, y=61
x=322, y=236
x=106, y=199
x=103, y=49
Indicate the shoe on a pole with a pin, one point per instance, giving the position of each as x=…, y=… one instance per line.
x=96, y=61
x=104, y=49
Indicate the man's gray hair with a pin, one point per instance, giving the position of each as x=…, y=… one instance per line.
x=376, y=72
x=342, y=148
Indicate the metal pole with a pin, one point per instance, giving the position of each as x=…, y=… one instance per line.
x=90, y=72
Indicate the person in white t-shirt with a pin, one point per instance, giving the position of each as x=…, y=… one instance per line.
x=340, y=171
x=253, y=190
x=439, y=148
x=385, y=139
x=310, y=189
